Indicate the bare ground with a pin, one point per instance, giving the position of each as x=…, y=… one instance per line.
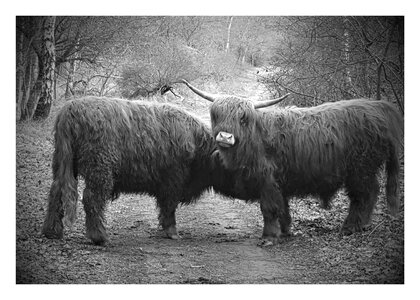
x=219, y=236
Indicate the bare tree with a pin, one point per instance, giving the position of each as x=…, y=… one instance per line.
x=331, y=58
x=47, y=67
x=83, y=44
x=35, y=63
x=57, y=47
x=228, y=34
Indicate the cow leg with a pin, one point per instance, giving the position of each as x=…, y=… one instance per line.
x=363, y=193
x=167, y=206
x=325, y=199
x=273, y=211
x=94, y=205
x=285, y=219
x=271, y=231
x=168, y=222
x=370, y=200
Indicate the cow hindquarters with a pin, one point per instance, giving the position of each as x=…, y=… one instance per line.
x=62, y=200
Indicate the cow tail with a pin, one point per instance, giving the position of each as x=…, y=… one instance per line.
x=392, y=164
x=64, y=187
x=67, y=173
x=392, y=183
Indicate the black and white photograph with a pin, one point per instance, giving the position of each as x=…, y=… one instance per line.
x=209, y=149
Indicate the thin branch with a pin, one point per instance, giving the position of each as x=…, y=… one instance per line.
x=381, y=65
x=376, y=227
x=397, y=98
x=288, y=89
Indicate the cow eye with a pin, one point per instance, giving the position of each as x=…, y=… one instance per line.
x=213, y=117
x=244, y=120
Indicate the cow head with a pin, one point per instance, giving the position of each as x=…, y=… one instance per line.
x=236, y=127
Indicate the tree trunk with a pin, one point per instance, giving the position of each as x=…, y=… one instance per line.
x=20, y=67
x=70, y=80
x=244, y=55
x=346, y=50
x=228, y=35
x=46, y=77
x=31, y=75
x=33, y=98
x=71, y=71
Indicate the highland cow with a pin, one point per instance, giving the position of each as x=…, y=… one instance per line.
x=286, y=152
x=121, y=146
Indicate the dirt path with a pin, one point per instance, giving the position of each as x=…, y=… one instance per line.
x=219, y=237
x=249, y=85
x=218, y=245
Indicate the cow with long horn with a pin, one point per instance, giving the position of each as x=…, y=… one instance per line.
x=286, y=152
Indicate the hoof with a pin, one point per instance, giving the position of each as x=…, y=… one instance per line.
x=172, y=233
x=346, y=231
x=174, y=237
x=350, y=229
x=265, y=243
x=268, y=241
x=285, y=235
x=53, y=234
x=393, y=212
x=98, y=240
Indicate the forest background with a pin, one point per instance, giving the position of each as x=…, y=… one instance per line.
x=316, y=58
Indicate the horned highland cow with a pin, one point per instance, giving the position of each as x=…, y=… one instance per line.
x=286, y=152
x=121, y=146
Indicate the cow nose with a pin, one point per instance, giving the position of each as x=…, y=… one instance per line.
x=225, y=139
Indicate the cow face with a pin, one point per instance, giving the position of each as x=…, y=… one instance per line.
x=234, y=127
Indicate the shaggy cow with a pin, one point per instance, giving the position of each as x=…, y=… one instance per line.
x=120, y=146
x=315, y=151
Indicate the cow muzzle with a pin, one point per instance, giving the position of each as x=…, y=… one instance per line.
x=225, y=140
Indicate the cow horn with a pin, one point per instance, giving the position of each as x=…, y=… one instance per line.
x=261, y=104
x=202, y=94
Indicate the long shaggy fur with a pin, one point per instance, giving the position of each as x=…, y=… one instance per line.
x=120, y=146
x=280, y=153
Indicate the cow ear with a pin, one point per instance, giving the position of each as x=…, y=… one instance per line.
x=266, y=103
